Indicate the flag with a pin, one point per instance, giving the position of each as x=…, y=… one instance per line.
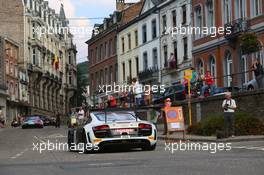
x=55, y=62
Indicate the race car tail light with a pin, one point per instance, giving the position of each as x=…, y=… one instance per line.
x=101, y=127
x=102, y=131
x=144, y=129
x=144, y=126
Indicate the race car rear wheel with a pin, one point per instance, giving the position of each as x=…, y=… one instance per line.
x=149, y=147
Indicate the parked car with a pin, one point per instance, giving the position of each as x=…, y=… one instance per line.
x=47, y=120
x=32, y=122
x=175, y=92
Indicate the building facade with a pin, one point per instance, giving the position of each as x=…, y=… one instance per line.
x=3, y=87
x=149, y=42
x=47, y=60
x=222, y=54
x=128, y=44
x=12, y=78
x=176, y=49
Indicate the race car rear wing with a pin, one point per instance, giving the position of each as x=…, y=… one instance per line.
x=134, y=110
x=105, y=110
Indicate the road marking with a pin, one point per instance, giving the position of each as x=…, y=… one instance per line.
x=100, y=164
x=249, y=148
x=54, y=136
x=19, y=154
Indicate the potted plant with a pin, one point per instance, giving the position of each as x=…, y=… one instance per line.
x=249, y=43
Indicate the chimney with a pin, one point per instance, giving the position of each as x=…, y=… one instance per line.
x=120, y=5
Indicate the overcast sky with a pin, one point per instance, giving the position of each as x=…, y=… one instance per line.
x=84, y=9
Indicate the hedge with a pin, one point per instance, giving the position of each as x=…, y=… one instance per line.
x=244, y=125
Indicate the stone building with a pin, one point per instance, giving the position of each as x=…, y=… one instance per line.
x=47, y=55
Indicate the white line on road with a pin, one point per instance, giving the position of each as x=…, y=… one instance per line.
x=249, y=148
x=19, y=154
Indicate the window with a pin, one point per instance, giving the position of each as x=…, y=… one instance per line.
x=154, y=28
x=101, y=52
x=105, y=50
x=70, y=77
x=145, y=61
x=184, y=14
x=155, y=57
x=244, y=69
x=227, y=11
x=175, y=52
x=129, y=41
x=165, y=52
x=136, y=38
x=101, y=77
x=130, y=69
x=185, y=47
x=110, y=75
x=70, y=58
x=96, y=54
x=123, y=44
x=91, y=57
x=110, y=48
x=198, y=21
x=144, y=34
x=105, y=76
x=240, y=9
x=174, y=18
x=228, y=69
x=200, y=66
x=137, y=65
x=164, y=24
x=256, y=8
x=34, y=60
x=124, y=72
x=210, y=13
x=212, y=66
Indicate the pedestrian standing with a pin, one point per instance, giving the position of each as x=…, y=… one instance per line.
x=167, y=105
x=229, y=106
x=259, y=73
x=58, y=121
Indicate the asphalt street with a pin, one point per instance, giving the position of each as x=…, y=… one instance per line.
x=19, y=155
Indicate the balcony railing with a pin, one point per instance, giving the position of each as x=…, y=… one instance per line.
x=148, y=73
x=236, y=27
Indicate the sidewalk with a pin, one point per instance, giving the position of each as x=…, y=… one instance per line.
x=195, y=138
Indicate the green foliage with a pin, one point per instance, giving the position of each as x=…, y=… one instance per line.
x=82, y=82
x=249, y=43
x=244, y=125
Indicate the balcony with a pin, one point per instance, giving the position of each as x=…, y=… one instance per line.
x=237, y=27
x=148, y=74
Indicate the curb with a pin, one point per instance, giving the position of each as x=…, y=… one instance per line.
x=261, y=138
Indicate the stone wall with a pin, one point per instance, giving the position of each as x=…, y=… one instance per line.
x=248, y=102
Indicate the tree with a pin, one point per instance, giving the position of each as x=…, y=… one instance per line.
x=82, y=82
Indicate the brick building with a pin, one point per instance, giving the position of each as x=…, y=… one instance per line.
x=3, y=88
x=102, y=48
x=222, y=55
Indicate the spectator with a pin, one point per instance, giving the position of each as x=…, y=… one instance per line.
x=229, y=106
x=259, y=73
x=137, y=89
x=172, y=61
x=209, y=84
x=58, y=121
x=112, y=103
x=166, y=105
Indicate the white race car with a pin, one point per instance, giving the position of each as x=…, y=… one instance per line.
x=113, y=128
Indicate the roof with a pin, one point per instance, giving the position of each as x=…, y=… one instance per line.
x=131, y=12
